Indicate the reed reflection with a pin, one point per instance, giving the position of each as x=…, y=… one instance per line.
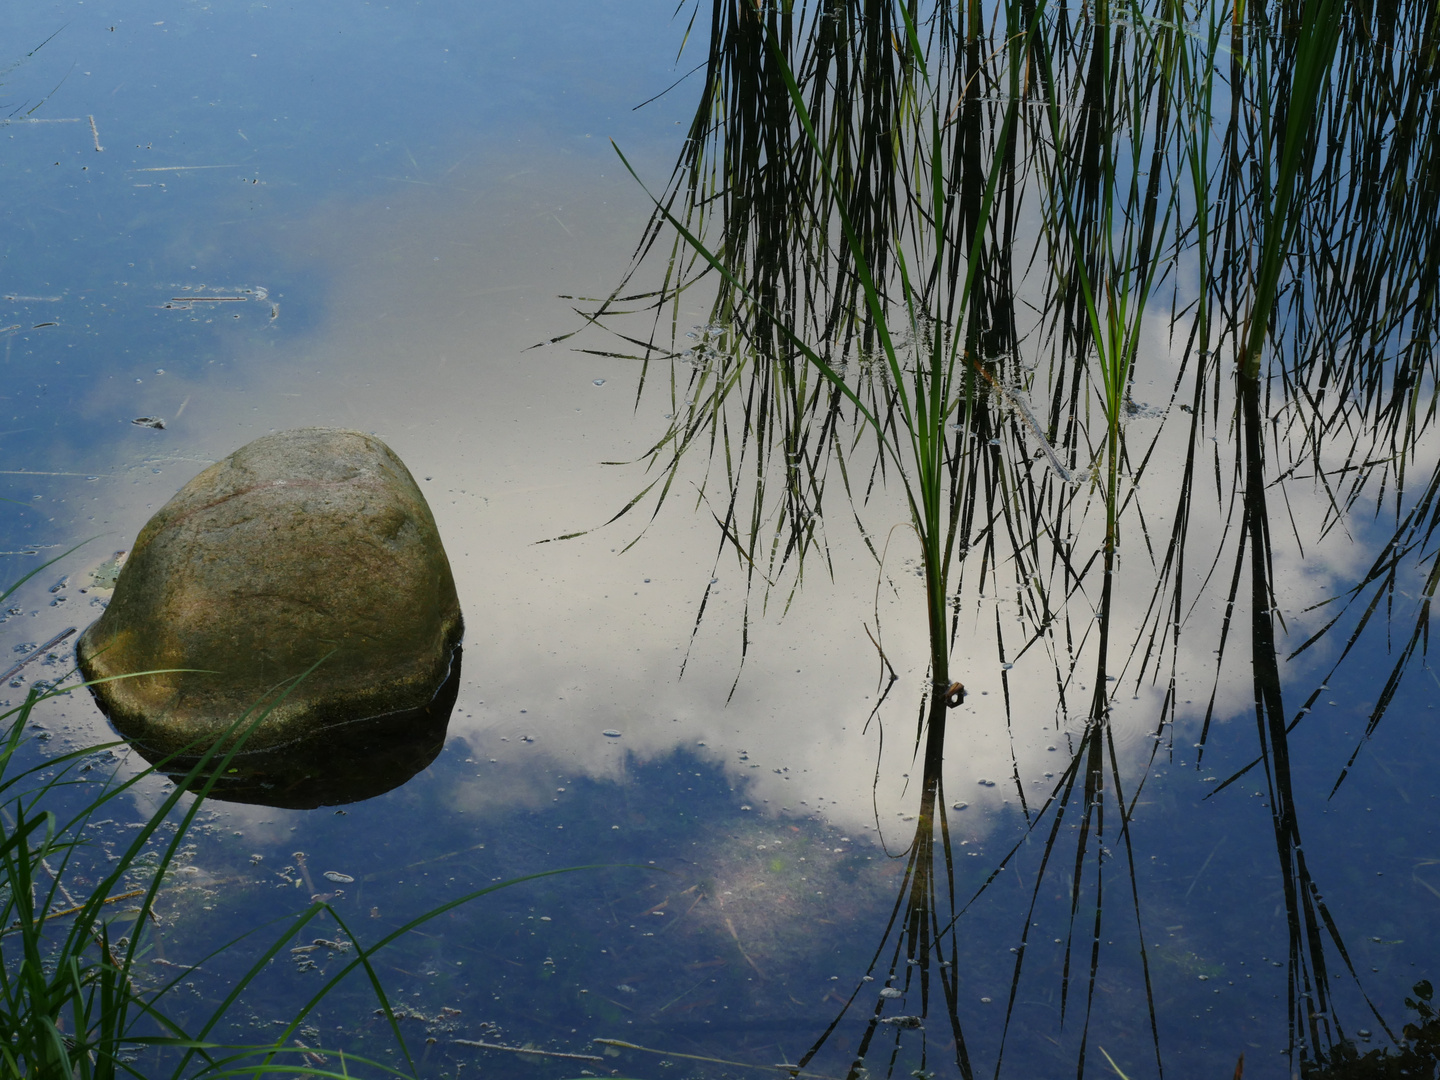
x=1225, y=209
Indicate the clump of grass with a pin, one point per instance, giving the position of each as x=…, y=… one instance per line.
x=77, y=999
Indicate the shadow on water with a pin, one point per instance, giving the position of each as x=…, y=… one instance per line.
x=951, y=247
x=339, y=764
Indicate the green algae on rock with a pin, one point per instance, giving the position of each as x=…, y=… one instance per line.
x=311, y=548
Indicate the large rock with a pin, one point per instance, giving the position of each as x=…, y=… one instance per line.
x=311, y=548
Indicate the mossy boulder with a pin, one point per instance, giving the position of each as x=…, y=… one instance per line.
x=306, y=553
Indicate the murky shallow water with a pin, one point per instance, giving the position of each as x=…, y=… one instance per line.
x=395, y=200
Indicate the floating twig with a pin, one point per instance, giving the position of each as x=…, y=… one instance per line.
x=529, y=1050
x=793, y=1070
x=731, y=927
x=41, y=651
x=78, y=907
x=183, y=168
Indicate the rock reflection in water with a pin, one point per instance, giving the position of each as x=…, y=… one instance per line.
x=344, y=763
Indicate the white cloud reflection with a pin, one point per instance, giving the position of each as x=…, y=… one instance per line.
x=435, y=301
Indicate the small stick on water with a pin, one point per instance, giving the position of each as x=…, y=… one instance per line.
x=1030, y=421
x=95, y=132
x=299, y=858
x=1200, y=873
x=1019, y=403
x=79, y=907
x=793, y=1070
x=41, y=651
x=183, y=168
x=528, y=1050
x=731, y=927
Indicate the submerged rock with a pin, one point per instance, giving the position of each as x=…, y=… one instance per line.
x=302, y=583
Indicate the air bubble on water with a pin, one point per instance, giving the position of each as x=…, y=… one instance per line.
x=961, y=805
x=1006, y=667
x=336, y=876
x=891, y=992
x=599, y=382
x=610, y=733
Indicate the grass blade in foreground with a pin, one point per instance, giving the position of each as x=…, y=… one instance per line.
x=74, y=998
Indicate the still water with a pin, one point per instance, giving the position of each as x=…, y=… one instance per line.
x=240, y=220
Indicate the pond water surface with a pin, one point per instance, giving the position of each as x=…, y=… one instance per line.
x=240, y=219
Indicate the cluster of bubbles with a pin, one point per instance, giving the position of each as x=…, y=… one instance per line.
x=711, y=345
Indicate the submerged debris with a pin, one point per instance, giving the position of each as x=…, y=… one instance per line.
x=906, y=1022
